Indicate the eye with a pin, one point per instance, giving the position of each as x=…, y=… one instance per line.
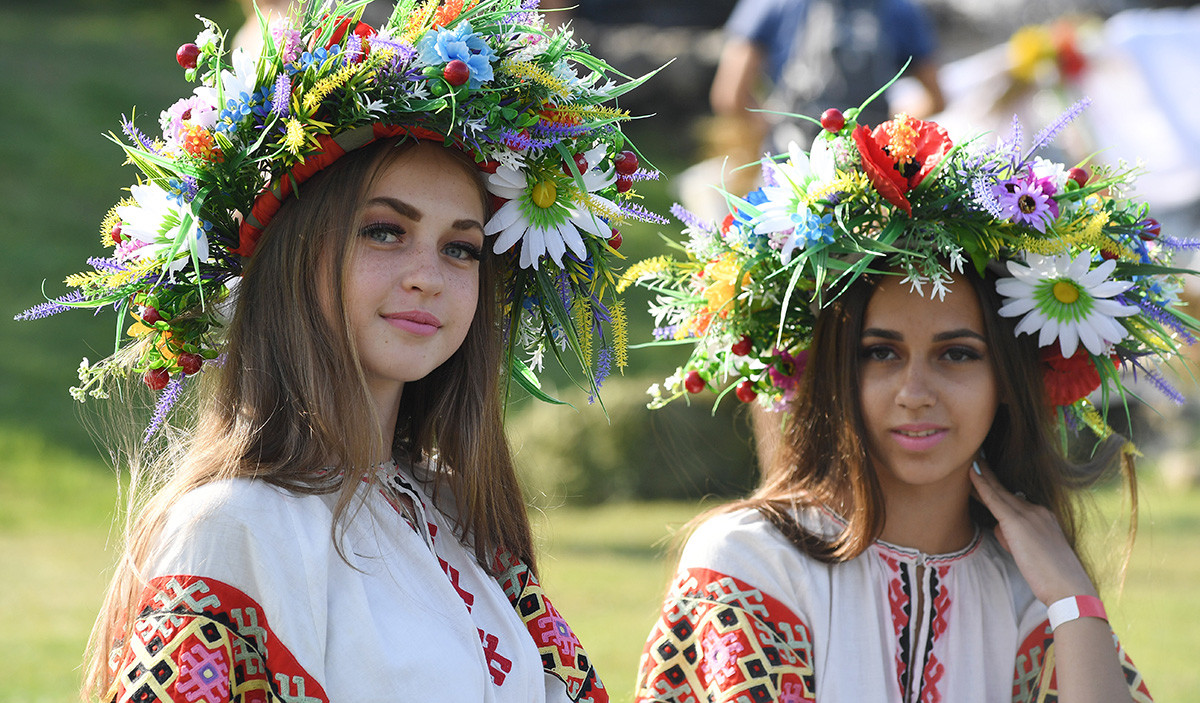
x=382, y=232
x=877, y=352
x=463, y=251
x=962, y=354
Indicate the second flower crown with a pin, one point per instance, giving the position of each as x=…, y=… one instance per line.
x=1087, y=270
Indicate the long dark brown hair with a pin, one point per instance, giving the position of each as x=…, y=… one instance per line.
x=290, y=400
x=822, y=457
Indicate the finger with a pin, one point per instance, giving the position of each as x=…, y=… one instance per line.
x=991, y=492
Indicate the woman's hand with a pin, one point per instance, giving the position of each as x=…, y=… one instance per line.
x=1033, y=536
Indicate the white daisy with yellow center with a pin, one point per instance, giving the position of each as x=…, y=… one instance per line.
x=1065, y=299
x=546, y=213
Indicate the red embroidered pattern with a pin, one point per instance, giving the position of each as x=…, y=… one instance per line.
x=199, y=640
x=720, y=639
x=1034, y=679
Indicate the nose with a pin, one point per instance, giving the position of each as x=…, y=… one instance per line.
x=916, y=389
x=422, y=270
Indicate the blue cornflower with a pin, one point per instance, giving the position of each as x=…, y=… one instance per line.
x=810, y=229
x=445, y=45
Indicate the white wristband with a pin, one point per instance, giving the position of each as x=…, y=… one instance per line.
x=1073, y=608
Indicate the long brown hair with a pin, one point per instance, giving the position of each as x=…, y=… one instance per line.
x=290, y=399
x=823, y=460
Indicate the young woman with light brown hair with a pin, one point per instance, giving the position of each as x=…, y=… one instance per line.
x=334, y=256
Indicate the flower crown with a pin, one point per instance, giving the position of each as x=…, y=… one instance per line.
x=486, y=76
x=1090, y=272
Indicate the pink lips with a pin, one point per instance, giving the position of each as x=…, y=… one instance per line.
x=918, y=437
x=418, y=322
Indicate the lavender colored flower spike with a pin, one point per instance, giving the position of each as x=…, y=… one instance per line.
x=691, y=220
x=50, y=307
x=1163, y=318
x=166, y=401
x=1011, y=147
x=134, y=134
x=282, y=96
x=985, y=197
x=1157, y=380
x=1177, y=243
x=1052, y=130
x=634, y=210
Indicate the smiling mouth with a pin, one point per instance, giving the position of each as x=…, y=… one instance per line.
x=917, y=433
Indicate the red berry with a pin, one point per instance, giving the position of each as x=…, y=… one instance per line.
x=745, y=392
x=833, y=120
x=1108, y=255
x=115, y=233
x=1079, y=175
x=624, y=183
x=615, y=240
x=580, y=163
x=150, y=315
x=626, y=162
x=743, y=346
x=190, y=363
x=157, y=379
x=489, y=166
x=187, y=54
x=693, y=382
x=1150, y=229
x=456, y=72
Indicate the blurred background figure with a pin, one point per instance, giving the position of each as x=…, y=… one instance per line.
x=816, y=54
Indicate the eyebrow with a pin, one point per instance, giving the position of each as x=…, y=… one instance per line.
x=939, y=337
x=407, y=210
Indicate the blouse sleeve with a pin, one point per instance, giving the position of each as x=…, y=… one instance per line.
x=208, y=625
x=1034, y=679
x=721, y=639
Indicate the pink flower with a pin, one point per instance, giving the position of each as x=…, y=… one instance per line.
x=786, y=371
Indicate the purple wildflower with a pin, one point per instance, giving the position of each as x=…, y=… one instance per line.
x=985, y=197
x=1028, y=201
x=603, y=369
x=768, y=174
x=50, y=307
x=353, y=52
x=281, y=98
x=1010, y=149
x=562, y=129
x=135, y=135
x=1162, y=317
x=1156, y=379
x=691, y=220
x=166, y=401
x=667, y=332
x=1052, y=130
x=637, y=211
x=1177, y=243
x=101, y=263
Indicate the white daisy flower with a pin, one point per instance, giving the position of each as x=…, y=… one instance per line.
x=540, y=213
x=1060, y=298
x=150, y=229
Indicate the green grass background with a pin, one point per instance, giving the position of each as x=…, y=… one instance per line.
x=68, y=69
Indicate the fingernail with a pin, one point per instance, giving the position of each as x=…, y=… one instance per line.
x=975, y=465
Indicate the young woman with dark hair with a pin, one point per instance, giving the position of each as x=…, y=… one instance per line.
x=915, y=537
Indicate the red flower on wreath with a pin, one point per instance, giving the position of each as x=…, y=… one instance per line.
x=898, y=154
x=1068, y=380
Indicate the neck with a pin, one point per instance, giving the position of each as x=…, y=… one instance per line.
x=387, y=407
x=931, y=519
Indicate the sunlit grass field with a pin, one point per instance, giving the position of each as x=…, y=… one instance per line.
x=606, y=569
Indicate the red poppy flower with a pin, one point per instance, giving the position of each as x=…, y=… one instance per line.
x=898, y=154
x=1068, y=380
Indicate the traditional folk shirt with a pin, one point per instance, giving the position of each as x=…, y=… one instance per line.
x=751, y=618
x=250, y=599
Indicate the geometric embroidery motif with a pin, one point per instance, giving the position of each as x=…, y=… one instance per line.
x=1034, y=680
x=203, y=641
x=562, y=655
x=722, y=640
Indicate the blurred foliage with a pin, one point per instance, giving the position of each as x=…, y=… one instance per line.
x=679, y=452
